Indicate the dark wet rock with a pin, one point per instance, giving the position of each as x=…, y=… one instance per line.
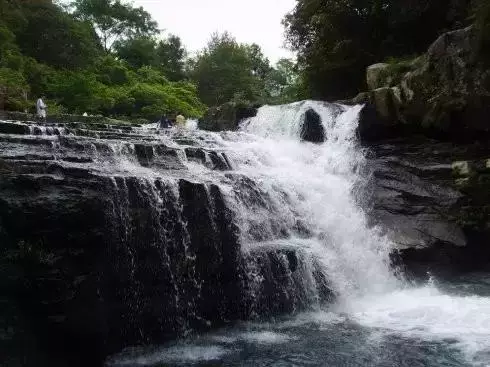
x=196, y=154
x=312, y=129
x=158, y=156
x=144, y=153
x=220, y=161
x=285, y=280
x=227, y=116
x=50, y=233
x=9, y=128
x=73, y=119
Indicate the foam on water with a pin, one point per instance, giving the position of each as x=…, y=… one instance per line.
x=314, y=184
x=254, y=337
x=319, y=181
x=427, y=313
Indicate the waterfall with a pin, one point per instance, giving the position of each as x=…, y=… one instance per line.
x=184, y=230
x=309, y=194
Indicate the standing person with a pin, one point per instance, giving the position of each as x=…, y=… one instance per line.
x=180, y=121
x=41, y=109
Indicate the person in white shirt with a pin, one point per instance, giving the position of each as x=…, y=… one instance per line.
x=41, y=109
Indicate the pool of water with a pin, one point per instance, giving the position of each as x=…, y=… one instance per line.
x=439, y=324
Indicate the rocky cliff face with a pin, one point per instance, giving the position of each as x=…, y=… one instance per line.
x=432, y=205
x=430, y=192
x=443, y=93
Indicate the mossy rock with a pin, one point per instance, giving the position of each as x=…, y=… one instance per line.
x=227, y=116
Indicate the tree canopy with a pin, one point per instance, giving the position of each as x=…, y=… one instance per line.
x=114, y=19
x=109, y=57
x=226, y=70
x=166, y=55
x=45, y=49
x=336, y=40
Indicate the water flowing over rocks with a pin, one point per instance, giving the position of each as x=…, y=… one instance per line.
x=114, y=236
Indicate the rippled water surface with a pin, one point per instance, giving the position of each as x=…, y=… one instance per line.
x=447, y=324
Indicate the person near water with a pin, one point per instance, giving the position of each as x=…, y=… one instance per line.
x=164, y=123
x=180, y=120
x=41, y=108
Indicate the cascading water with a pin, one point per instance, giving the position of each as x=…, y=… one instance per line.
x=319, y=183
x=314, y=184
x=306, y=197
x=206, y=228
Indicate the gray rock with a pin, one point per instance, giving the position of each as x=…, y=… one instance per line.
x=378, y=76
x=437, y=226
x=444, y=92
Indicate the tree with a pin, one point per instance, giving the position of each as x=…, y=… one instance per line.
x=114, y=20
x=138, y=51
x=283, y=83
x=336, y=40
x=224, y=69
x=45, y=49
x=45, y=32
x=166, y=55
x=170, y=56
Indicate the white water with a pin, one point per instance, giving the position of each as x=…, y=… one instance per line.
x=319, y=182
x=314, y=183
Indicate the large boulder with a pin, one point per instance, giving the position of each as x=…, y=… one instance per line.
x=434, y=209
x=227, y=116
x=312, y=129
x=443, y=93
x=378, y=76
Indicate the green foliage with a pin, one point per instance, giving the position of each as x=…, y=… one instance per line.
x=224, y=69
x=167, y=55
x=41, y=38
x=228, y=71
x=141, y=93
x=170, y=55
x=46, y=50
x=337, y=40
x=12, y=89
x=115, y=20
x=283, y=83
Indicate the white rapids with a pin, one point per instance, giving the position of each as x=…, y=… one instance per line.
x=320, y=182
x=318, y=185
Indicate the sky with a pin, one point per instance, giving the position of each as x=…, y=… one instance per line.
x=249, y=21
